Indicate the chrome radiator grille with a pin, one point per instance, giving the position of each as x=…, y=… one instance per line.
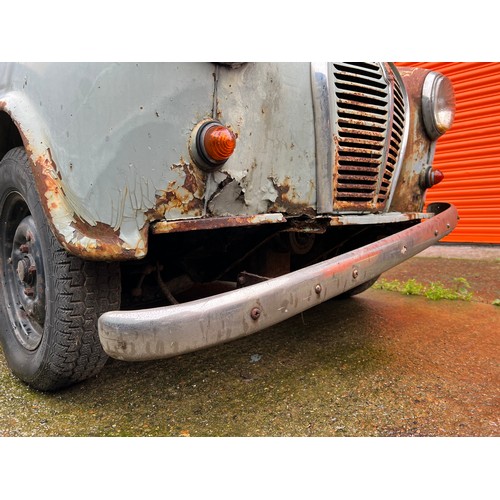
x=366, y=118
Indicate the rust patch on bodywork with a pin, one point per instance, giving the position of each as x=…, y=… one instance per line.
x=288, y=201
x=183, y=200
x=408, y=196
x=214, y=223
x=99, y=241
x=391, y=217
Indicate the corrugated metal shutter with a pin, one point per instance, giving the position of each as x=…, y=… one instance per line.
x=469, y=154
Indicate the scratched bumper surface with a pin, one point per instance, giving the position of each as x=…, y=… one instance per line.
x=168, y=331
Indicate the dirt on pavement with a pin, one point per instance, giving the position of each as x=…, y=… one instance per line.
x=379, y=364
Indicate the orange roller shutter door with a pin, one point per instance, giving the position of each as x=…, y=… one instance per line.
x=469, y=154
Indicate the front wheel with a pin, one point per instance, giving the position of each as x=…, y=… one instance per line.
x=50, y=300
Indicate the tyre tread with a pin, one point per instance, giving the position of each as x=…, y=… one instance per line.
x=83, y=290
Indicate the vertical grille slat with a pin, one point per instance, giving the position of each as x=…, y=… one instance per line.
x=369, y=124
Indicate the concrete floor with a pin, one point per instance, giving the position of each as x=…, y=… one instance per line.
x=473, y=252
x=379, y=364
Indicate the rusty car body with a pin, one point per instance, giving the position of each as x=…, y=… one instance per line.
x=323, y=189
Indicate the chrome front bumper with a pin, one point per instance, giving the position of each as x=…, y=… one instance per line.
x=168, y=331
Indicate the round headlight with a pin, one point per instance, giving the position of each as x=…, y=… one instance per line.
x=438, y=104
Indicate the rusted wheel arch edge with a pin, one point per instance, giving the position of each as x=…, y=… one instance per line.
x=78, y=237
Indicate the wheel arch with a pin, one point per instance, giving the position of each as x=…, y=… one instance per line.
x=20, y=126
x=9, y=134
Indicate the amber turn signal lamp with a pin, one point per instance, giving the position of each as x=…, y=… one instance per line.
x=211, y=145
x=219, y=143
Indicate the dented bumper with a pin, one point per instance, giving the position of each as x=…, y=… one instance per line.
x=168, y=331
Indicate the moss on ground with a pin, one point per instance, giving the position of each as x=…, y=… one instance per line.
x=435, y=290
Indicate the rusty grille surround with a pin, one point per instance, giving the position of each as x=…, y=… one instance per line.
x=368, y=131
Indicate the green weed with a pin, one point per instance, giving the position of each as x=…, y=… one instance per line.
x=412, y=287
x=433, y=291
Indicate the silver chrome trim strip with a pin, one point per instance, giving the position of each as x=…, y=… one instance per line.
x=323, y=134
x=168, y=331
x=406, y=132
x=390, y=119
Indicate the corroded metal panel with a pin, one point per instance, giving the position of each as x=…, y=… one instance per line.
x=176, y=226
x=171, y=330
x=109, y=145
x=360, y=113
x=269, y=106
x=407, y=193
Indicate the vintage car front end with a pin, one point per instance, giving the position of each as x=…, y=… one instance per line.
x=337, y=156
x=205, y=201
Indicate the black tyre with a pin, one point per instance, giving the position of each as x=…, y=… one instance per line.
x=49, y=300
x=357, y=289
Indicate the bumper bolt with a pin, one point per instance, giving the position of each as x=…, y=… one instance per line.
x=355, y=273
x=317, y=289
x=255, y=313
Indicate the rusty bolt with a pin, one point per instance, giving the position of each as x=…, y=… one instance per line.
x=255, y=313
x=436, y=232
x=404, y=249
x=355, y=273
x=317, y=289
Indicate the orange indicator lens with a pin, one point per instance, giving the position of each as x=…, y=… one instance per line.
x=219, y=143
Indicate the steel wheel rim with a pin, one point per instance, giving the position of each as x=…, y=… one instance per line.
x=23, y=272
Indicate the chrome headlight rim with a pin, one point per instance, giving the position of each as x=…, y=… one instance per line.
x=437, y=95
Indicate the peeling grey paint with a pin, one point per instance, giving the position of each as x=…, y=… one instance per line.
x=109, y=145
x=275, y=126
x=112, y=132
x=241, y=196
